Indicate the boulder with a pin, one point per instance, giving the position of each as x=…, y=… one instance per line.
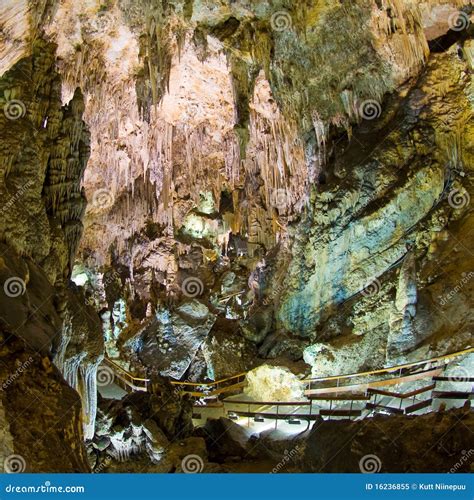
x=274, y=383
x=224, y=438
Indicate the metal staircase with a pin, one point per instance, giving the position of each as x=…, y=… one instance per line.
x=352, y=396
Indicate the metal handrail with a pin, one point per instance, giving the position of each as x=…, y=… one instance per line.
x=127, y=374
x=210, y=385
x=391, y=368
x=309, y=382
x=368, y=395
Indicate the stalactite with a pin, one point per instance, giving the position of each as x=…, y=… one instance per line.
x=405, y=32
x=276, y=154
x=78, y=356
x=60, y=360
x=64, y=197
x=89, y=396
x=122, y=451
x=71, y=371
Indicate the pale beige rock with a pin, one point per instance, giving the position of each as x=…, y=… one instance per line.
x=273, y=383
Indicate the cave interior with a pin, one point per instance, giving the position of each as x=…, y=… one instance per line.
x=236, y=236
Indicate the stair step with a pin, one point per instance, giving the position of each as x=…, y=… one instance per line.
x=401, y=395
x=342, y=397
x=388, y=409
x=451, y=395
x=273, y=416
x=453, y=379
x=418, y=406
x=340, y=413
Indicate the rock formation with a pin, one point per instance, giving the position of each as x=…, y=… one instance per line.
x=44, y=152
x=386, y=444
x=201, y=188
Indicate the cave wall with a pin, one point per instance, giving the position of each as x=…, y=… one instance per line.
x=41, y=417
x=373, y=260
x=43, y=154
x=266, y=183
x=278, y=167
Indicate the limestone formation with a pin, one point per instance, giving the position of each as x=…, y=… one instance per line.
x=197, y=189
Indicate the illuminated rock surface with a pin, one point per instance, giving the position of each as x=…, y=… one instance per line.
x=201, y=188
